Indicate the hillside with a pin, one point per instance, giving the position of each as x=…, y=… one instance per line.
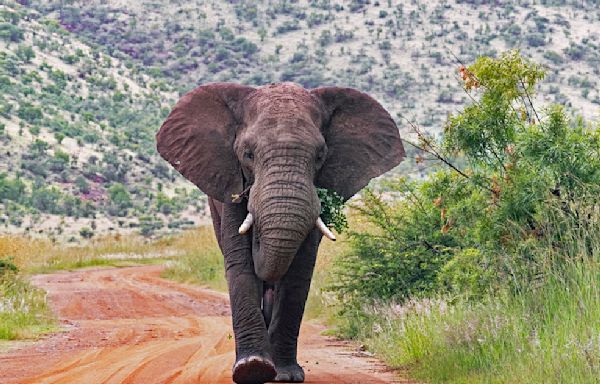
x=86, y=83
x=405, y=53
x=77, y=131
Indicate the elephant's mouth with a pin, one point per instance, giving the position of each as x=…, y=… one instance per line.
x=249, y=220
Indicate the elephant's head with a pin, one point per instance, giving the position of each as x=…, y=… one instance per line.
x=282, y=142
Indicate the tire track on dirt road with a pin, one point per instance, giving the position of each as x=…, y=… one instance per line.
x=130, y=326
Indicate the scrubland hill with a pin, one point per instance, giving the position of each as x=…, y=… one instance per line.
x=77, y=130
x=85, y=84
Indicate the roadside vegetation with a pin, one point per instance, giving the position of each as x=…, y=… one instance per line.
x=487, y=272
x=23, y=308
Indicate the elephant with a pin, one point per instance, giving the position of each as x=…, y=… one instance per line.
x=259, y=154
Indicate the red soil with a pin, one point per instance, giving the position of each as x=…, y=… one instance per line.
x=130, y=326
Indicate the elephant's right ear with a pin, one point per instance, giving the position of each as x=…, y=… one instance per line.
x=197, y=138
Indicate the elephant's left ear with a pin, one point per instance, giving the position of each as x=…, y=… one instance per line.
x=362, y=139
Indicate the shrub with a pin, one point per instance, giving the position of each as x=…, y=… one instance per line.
x=472, y=231
x=10, y=32
x=119, y=198
x=25, y=53
x=86, y=233
x=7, y=266
x=11, y=189
x=30, y=113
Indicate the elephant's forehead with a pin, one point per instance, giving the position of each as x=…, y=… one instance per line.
x=281, y=103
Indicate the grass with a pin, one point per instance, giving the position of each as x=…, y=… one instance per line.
x=23, y=309
x=201, y=261
x=321, y=303
x=550, y=336
x=546, y=333
x=42, y=256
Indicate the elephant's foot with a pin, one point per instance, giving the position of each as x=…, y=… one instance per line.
x=253, y=370
x=291, y=373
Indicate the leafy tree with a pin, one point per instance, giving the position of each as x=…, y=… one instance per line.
x=10, y=32
x=11, y=189
x=82, y=185
x=470, y=229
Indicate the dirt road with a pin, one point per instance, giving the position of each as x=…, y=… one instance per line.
x=130, y=326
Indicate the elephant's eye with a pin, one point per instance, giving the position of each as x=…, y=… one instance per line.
x=248, y=154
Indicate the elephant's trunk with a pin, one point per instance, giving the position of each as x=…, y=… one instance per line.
x=286, y=207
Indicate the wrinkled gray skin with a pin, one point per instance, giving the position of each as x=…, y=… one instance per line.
x=282, y=141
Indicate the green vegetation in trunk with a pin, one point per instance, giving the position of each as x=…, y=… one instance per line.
x=332, y=209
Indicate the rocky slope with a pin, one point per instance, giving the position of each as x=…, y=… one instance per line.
x=85, y=84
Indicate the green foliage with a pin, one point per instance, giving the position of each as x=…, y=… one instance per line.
x=472, y=231
x=332, y=209
x=10, y=32
x=30, y=113
x=86, y=233
x=166, y=205
x=119, y=198
x=543, y=334
x=7, y=266
x=490, y=273
x=25, y=53
x=23, y=308
x=149, y=225
x=11, y=189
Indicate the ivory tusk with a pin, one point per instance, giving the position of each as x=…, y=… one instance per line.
x=323, y=228
x=246, y=224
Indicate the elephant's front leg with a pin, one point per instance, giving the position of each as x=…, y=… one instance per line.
x=290, y=297
x=253, y=353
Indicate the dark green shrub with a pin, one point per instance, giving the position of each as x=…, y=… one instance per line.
x=7, y=266
x=25, y=53
x=120, y=199
x=86, y=233
x=10, y=32
x=30, y=113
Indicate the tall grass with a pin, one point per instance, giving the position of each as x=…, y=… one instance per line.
x=546, y=332
x=40, y=255
x=23, y=309
x=321, y=303
x=201, y=261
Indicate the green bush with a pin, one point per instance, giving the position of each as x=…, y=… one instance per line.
x=7, y=266
x=10, y=32
x=30, y=113
x=86, y=233
x=25, y=53
x=120, y=199
x=472, y=231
